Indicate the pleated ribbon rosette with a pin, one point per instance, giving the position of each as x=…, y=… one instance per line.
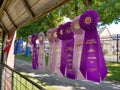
x=78, y=45
x=67, y=36
x=93, y=66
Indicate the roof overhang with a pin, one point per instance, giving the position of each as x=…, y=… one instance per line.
x=17, y=13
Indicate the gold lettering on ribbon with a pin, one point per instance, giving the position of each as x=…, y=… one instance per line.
x=33, y=56
x=69, y=60
x=91, y=50
x=57, y=50
x=70, y=64
x=79, y=43
x=69, y=55
x=70, y=48
x=91, y=41
x=34, y=49
x=79, y=52
x=91, y=57
x=70, y=69
x=92, y=69
x=33, y=53
x=91, y=61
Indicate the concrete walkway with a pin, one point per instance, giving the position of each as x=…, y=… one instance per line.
x=62, y=83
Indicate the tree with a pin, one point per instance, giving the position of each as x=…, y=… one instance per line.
x=108, y=11
x=51, y=20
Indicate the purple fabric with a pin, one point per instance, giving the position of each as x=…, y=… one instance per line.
x=67, y=58
x=92, y=61
x=69, y=55
x=34, y=52
x=63, y=57
x=93, y=65
x=89, y=20
x=102, y=65
x=64, y=32
x=67, y=36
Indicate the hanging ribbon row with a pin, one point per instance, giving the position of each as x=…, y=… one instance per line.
x=81, y=53
x=75, y=49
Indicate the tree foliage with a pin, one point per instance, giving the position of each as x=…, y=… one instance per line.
x=108, y=10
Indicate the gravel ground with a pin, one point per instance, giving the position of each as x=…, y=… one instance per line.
x=62, y=83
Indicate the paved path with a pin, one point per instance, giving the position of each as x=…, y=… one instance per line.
x=63, y=83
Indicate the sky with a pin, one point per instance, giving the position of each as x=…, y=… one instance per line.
x=114, y=28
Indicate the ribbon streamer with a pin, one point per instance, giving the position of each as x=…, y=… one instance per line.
x=66, y=35
x=50, y=39
x=41, y=55
x=34, y=52
x=56, y=53
x=93, y=65
x=78, y=44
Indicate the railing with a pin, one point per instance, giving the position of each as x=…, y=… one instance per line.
x=13, y=80
x=111, y=48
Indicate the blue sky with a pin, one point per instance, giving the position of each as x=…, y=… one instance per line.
x=114, y=28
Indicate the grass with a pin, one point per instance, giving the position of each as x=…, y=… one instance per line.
x=113, y=72
x=23, y=57
x=21, y=84
x=113, y=68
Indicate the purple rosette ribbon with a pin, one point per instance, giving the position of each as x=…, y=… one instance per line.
x=67, y=36
x=41, y=52
x=93, y=65
x=34, y=52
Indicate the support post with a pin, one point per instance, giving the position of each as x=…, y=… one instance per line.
x=117, y=48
